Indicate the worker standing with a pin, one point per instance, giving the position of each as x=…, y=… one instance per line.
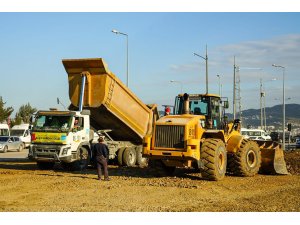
x=101, y=152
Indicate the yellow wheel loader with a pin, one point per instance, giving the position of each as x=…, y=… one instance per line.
x=198, y=135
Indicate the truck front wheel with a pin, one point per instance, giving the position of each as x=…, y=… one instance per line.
x=83, y=159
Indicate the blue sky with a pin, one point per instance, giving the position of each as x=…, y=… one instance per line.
x=161, y=47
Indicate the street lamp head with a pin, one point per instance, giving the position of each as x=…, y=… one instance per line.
x=278, y=66
x=172, y=81
x=115, y=31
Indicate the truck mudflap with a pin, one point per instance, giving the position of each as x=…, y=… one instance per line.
x=272, y=158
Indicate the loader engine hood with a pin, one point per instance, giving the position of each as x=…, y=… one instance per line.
x=182, y=120
x=171, y=132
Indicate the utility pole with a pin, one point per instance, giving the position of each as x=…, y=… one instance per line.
x=261, y=109
x=233, y=105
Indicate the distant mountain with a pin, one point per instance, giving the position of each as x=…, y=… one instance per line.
x=273, y=116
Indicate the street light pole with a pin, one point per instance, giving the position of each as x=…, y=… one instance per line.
x=283, y=104
x=176, y=81
x=219, y=85
x=206, y=67
x=127, y=57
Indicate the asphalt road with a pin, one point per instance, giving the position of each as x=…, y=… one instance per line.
x=14, y=155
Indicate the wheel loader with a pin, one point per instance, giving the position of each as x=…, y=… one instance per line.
x=199, y=136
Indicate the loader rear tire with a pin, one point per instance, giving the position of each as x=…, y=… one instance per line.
x=247, y=160
x=129, y=157
x=214, y=158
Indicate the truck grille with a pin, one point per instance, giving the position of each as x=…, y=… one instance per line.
x=168, y=136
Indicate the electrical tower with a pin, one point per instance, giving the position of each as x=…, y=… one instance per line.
x=237, y=100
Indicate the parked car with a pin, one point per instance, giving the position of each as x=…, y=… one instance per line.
x=8, y=143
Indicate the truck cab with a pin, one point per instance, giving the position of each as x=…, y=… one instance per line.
x=61, y=136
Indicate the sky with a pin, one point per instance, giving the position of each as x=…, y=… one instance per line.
x=161, y=48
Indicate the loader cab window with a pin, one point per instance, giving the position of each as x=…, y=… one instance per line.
x=197, y=106
x=209, y=106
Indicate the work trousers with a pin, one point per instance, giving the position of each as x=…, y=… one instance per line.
x=102, y=163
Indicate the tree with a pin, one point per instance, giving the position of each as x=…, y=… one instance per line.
x=25, y=112
x=17, y=120
x=4, y=112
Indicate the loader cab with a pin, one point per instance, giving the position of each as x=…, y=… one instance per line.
x=207, y=105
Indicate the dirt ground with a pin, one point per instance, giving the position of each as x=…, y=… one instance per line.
x=24, y=188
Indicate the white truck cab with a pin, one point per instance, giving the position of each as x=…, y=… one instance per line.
x=23, y=132
x=61, y=136
x=4, y=130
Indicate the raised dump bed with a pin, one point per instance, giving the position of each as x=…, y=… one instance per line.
x=112, y=105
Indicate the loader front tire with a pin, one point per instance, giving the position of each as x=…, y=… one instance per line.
x=214, y=158
x=247, y=160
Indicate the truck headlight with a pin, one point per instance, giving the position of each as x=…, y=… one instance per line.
x=65, y=150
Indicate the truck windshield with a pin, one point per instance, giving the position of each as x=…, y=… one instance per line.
x=52, y=123
x=17, y=132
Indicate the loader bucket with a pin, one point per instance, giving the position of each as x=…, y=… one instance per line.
x=272, y=158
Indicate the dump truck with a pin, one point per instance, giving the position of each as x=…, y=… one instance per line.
x=100, y=103
x=199, y=136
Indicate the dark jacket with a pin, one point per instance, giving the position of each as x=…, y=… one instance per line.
x=100, y=149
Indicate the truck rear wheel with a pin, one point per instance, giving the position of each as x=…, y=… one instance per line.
x=129, y=157
x=83, y=159
x=214, y=157
x=120, y=156
x=45, y=165
x=246, y=161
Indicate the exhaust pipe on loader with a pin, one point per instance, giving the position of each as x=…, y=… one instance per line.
x=186, y=104
x=272, y=158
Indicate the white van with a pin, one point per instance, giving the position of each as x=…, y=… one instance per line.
x=4, y=130
x=255, y=134
x=23, y=132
